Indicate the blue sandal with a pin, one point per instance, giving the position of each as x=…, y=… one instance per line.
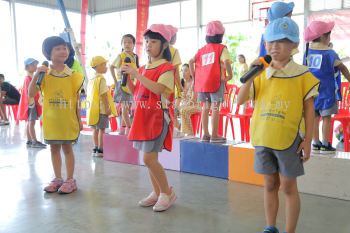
x=270, y=229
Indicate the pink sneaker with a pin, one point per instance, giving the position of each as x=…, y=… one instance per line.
x=150, y=200
x=54, y=185
x=164, y=201
x=68, y=186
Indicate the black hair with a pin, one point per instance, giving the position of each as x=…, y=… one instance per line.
x=70, y=60
x=49, y=43
x=188, y=66
x=217, y=39
x=129, y=36
x=242, y=56
x=158, y=36
x=306, y=53
x=319, y=38
x=2, y=76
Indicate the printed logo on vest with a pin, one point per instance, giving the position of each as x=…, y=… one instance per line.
x=315, y=61
x=208, y=58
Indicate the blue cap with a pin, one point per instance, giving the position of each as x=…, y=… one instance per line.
x=29, y=61
x=279, y=10
x=282, y=28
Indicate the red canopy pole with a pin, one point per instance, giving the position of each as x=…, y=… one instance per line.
x=142, y=21
x=84, y=11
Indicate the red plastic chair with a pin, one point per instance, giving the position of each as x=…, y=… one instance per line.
x=343, y=115
x=11, y=111
x=244, y=119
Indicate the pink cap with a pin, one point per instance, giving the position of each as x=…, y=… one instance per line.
x=161, y=29
x=172, y=29
x=316, y=29
x=215, y=28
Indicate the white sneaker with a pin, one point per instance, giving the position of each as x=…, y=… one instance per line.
x=164, y=201
x=150, y=200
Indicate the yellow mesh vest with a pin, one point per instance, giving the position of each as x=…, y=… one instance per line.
x=278, y=109
x=93, y=100
x=60, y=120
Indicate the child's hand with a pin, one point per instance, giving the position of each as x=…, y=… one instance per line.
x=126, y=68
x=108, y=111
x=42, y=69
x=305, y=148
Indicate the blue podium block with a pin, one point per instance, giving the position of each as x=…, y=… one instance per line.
x=201, y=158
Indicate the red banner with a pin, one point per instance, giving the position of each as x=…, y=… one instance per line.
x=142, y=21
x=341, y=18
x=84, y=9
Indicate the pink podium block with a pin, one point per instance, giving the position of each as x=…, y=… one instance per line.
x=169, y=160
x=119, y=149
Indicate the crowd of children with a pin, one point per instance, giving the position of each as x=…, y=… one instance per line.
x=285, y=124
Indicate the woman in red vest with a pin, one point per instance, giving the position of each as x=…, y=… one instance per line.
x=152, y=127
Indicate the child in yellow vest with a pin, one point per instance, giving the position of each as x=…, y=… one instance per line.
x=122, y=94
x=283, y=94
x=61, y=114
x=100, y=104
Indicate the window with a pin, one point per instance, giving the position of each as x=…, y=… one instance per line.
x=317, y=5
x=188, y=13
x=225, y=10
x=165, y=14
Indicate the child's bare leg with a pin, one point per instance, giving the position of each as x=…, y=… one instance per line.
x=326, y=129
x=271, y=201
x=156, y=169
x=316, y=134
x=31, y=130
x=56, y=159
x=215, y=107
x=69, y=159
x=290, y=189
x=95, y=137
x=125, y=114
x=101, y=132
x=154, y=183
x=204, y=119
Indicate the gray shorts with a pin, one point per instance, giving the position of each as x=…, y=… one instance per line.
x=212, y=97
x=120, y=95
x=155, y=145
x=33, y=114
x=102, y=123
x=327, y=112
x=287, y=162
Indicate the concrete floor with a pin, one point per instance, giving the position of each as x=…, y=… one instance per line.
x=108, y=192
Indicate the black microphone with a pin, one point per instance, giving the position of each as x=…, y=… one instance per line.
x=42, y=74
x=125, y=75
x=266, y=60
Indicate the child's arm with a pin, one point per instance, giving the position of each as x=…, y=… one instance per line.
x=113, y=67
x=33, y=89
x=155, y=87
x=191, y=66
x=309, y=116
x=104, y=98
x=177, y=78
x=227, y=64
x=344, y=70
x=78, y=112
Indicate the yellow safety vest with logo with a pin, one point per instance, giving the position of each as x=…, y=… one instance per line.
x=278, y=109
x=60, y=96
x=123, y=55
x=93, y=101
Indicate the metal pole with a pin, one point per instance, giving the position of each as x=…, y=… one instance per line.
x=14, y=30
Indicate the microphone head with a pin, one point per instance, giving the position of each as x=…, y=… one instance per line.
x=127, y=60
x=45, y=63
x=266, y=60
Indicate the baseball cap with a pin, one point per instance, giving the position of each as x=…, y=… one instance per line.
x=279, y=10
x=316, y=29
x=97, y=60
x=162, y=29
x=29, y=61
x=282, y=28
x=215, y=28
